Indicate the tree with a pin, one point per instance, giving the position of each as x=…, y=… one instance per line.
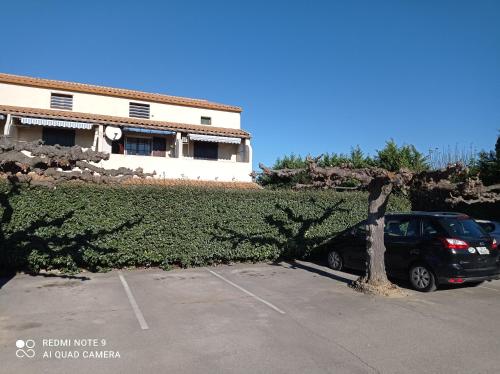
x=489, y=165
x=394, y=158
x=380, y=183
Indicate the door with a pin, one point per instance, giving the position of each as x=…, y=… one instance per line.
x=355, y=248
x=159, y=147
x=402, y=242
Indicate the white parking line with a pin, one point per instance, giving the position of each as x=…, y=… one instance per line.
x=247, y=292
x=133, y=303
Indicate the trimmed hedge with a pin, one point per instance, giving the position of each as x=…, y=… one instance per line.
x=100, y=227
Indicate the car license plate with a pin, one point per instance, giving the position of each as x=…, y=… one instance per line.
x=483, y=250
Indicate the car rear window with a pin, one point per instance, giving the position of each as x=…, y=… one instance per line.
x=463, y=227
x=487, y=226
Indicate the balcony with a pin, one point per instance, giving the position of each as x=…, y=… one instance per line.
x=184, y=167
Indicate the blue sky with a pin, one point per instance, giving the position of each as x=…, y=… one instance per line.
x=312, y=76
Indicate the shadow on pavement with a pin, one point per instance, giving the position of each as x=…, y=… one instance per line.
x=4, y=279
x=297, y=265
x=61, y=276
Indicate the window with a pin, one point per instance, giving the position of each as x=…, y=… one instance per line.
x=359, y=229
x=462, y=227
x=206, y=120
x=53, y=136
x=206, y=150
x=429, y=228
x=489, y=227
x=138, y=110
x=61, y=101
x=159, y=147
x=138, y=146
x=402, y=227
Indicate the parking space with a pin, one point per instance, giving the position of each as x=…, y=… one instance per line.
x=280, y=318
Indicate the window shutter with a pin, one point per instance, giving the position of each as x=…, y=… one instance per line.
x=61, y=101
x=138, y=110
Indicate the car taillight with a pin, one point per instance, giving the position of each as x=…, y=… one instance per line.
x=494, y=244
x=451, y=243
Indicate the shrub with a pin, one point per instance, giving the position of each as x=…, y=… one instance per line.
x=489, y=165
x=98, y=227
x=393, y=158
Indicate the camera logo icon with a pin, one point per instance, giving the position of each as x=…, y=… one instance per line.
x=25, y=348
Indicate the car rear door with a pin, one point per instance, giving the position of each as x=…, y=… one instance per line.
x=402, y=242
x=354, y=250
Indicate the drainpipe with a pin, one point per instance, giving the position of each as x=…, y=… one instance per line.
x=8, y=126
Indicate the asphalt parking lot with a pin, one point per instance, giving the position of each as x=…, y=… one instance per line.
x=262, y=318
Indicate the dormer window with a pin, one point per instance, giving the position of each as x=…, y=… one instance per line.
x=138, y=110
x=206, y=120
x=61, y=101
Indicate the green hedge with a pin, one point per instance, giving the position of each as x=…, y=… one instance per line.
x=100, y=227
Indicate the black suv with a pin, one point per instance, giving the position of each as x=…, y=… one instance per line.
x=428, y=248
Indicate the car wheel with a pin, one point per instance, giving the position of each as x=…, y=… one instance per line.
x=422, y=279
x=335, y=260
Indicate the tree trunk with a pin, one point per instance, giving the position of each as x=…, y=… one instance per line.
x=375, y=247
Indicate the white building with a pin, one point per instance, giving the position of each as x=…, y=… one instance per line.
x=174, y=136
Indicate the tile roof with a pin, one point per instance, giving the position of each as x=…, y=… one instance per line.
x=117, y=92
x=122, y=121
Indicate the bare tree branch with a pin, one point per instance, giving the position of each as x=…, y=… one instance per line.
x=36, y=163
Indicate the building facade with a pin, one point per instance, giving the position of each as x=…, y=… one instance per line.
x=173, y=136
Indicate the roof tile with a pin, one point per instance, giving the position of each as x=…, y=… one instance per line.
x=121, y=121
x=117, y=92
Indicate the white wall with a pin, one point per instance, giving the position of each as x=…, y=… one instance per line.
x=35, y=97
x=177, y=168
x=29, y=134
x=84, y=138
